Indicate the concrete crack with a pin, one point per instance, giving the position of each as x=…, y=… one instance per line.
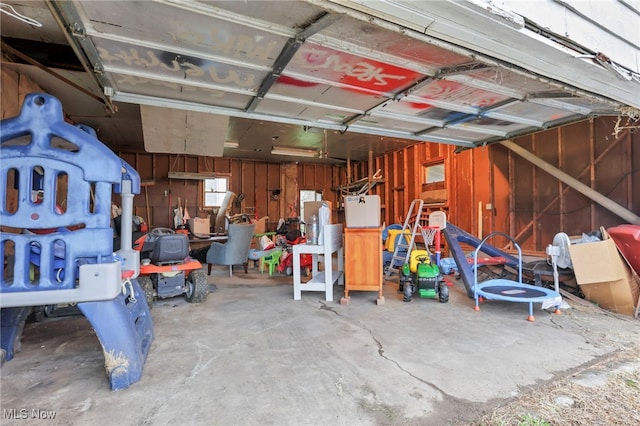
x=404, y=370
x=324, y=307
x=553, y=321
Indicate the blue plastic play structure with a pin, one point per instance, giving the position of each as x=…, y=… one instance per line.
x=64, y=255
x=455, y=238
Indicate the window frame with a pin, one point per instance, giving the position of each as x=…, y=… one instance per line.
x=225, y=177
x=440, y=184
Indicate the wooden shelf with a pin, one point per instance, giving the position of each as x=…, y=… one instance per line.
x=191, y=176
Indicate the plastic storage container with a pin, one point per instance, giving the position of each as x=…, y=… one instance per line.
x=312, y=233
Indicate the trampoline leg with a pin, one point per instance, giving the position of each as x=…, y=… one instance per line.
x=531, y=317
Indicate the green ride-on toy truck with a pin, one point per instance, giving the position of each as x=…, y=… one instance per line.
x=422, y=277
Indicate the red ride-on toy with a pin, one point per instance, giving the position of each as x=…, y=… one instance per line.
x=166, y=269
x=286, y=260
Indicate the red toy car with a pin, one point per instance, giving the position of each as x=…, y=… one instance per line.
x=286, y=260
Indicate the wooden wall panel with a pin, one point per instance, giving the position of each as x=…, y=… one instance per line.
x=130, y=158
x=402, y=179
x=461, y=209
x=191, y=164
x=401, y=189
x=434, y=150
x=501, y=192
x=542, y=205
x=545, y=226
x=327, y=183
x=306, y=177
x=523, y=193
x=162, y=168
x=576, y=144
x=413, y=169
x=222, y=165
x=144, y=166
x=275, y=207
x=27, y=86
x=385, y=192
x=9, y=100
x=320, y=178
x=481, y=191
x=612, y=174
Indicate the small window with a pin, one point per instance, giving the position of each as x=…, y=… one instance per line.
x=434, y=182
x=214, y=191
x=433, y=176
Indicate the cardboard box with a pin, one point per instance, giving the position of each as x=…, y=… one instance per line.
x=603, y=276
x=312, y=207
x=362, y=211
x=261, y=225
x=199, y=226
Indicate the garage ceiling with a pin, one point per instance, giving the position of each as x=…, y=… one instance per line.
x=346, y=79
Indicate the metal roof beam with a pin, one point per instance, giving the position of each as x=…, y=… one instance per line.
x=287, y=53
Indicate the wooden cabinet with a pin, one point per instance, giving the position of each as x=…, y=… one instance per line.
x=363, y=262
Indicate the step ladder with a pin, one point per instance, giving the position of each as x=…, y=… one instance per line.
x=402, y=251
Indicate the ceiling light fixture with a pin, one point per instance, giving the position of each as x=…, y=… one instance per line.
x=231, y=144
x=295, y=152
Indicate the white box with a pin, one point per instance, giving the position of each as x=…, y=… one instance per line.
x=362, y=211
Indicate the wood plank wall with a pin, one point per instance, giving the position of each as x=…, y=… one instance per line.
x=493, y=189
x=255, y=180
x=541, y=206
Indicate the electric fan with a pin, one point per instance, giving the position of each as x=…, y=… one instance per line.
x=558, y=251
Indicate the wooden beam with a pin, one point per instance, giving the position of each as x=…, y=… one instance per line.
x=565, y=188
x=191, y=176
x=585, y=190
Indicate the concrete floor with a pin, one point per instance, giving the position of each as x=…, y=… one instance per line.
x=251, y=355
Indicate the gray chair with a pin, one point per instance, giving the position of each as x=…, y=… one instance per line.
x=236, y=250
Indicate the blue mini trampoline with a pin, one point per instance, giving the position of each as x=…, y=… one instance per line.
x=509, y=290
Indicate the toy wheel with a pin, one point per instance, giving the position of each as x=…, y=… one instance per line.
x=306, y=271
x=408, y=292
x=196, y=287
x=147, y=288
x=385, y=268
x=288, y=270
x=443, y=292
